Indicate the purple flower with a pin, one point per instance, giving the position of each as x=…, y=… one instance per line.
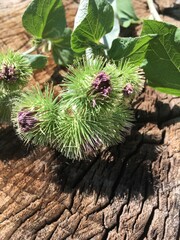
x=128, y=90
x=26, y=120
x=8, y=73
x=101, y=84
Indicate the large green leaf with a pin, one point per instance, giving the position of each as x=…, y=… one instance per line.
x=45, y=19
x=131, y=49
x=163, y=57
x=96, y=19
x=126, y=13
x=61, y=49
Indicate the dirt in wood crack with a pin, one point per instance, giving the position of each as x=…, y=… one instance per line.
x=130, y=191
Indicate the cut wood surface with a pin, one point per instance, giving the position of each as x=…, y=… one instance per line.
x=130, y=191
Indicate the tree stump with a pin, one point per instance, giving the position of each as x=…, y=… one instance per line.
x=130, y=191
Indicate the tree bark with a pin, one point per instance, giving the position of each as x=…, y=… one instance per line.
x=130, y=191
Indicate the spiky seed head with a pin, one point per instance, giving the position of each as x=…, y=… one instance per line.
x=14, y=71
x=92, y=83
x=92, y=113
x=34, y=114
x=131, y=79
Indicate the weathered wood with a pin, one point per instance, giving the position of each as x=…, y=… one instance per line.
x=130, y=191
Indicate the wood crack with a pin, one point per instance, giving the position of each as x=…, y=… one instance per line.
x=147, y=225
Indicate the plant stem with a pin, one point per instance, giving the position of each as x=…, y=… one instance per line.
x=104, y=41
x=153, y=10
x=34, y=48
x=89, y=53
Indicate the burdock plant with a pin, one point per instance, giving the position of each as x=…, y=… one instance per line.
x=93, y=112
x=34, y=115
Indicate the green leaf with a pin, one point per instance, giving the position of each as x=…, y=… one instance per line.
x=97, y=21
x=163, y=57
x=131, y=49
x=37, y=61
x=61, y=49
x=126, y=13
x=45, y=19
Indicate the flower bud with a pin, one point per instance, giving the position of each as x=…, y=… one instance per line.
x=128, y=90
x=26, y=120
x=101, y=84
x=8, y=73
